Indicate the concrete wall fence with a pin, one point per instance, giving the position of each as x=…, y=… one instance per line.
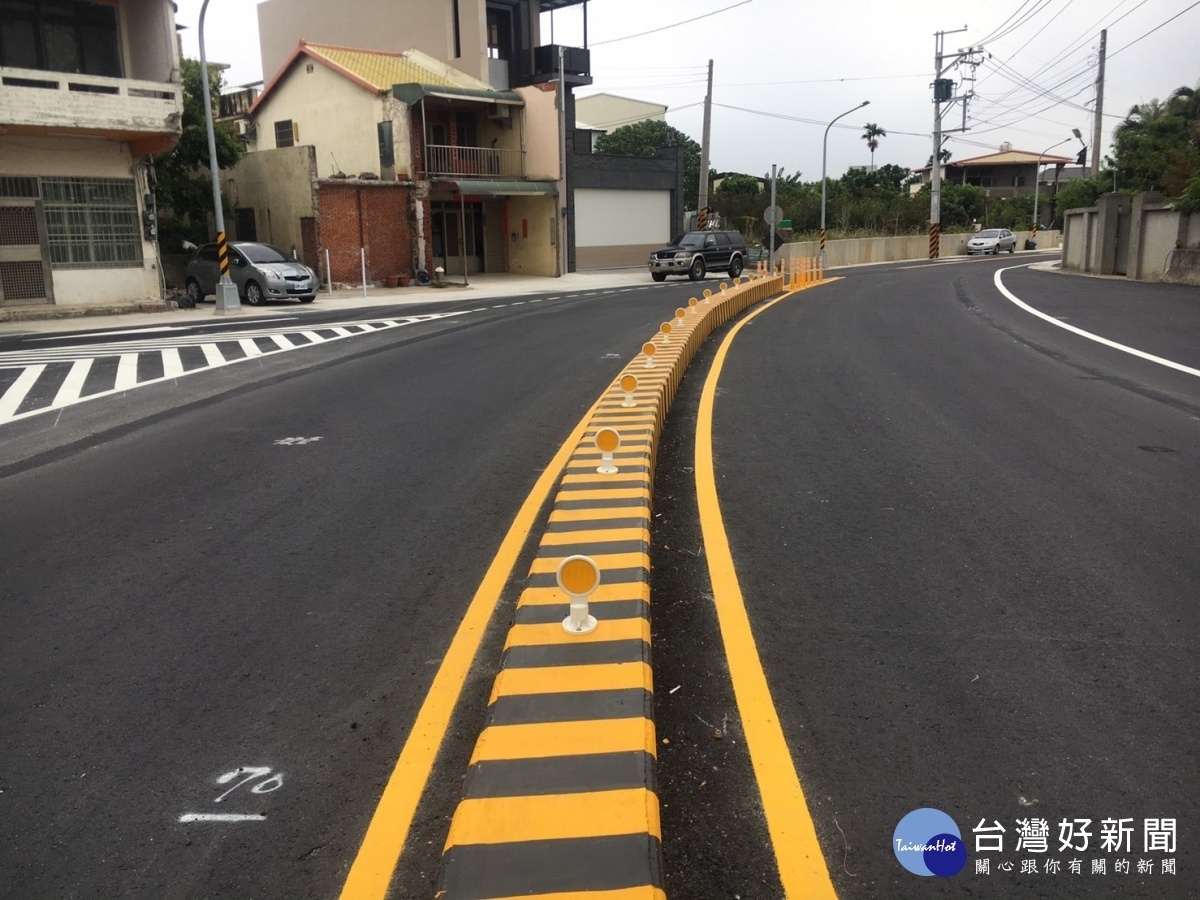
x=1141, y=238
x=858, y=251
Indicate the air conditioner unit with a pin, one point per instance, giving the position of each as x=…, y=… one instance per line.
x=500, y=113
x=242, y=126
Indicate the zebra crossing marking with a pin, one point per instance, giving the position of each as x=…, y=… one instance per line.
x=167, y=352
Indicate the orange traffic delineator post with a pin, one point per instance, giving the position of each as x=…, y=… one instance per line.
x=578, y=577
x=679, y=314
x=629, y=384
x=665, y=330
x=707, y=296
x=692, y=304
x=649, y=350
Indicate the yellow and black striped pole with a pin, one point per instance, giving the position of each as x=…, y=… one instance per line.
x=223, y=254
x=934, y=240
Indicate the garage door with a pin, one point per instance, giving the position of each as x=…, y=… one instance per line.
x=619, y=228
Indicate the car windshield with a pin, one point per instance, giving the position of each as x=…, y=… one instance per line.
x=988, y=234
x=695, y=239
x=262, y=253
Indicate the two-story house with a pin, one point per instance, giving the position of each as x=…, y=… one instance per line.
x=88, y=92
x=610, y=210
x=1006, y=173
x=397, y=162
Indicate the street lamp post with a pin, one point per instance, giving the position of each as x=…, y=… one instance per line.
x=1037, y=181
x=824, y=145
x=227, y=296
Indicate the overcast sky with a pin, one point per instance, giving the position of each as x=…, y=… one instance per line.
x=813, y=61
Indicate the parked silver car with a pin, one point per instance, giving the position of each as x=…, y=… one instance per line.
x=260, y=271
x=993, y=240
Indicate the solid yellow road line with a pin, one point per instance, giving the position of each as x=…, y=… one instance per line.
x=371, y=872
x=542, y=740
x=802, y=868
x=567, y=679
x=507, y=820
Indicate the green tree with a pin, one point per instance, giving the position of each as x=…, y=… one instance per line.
x=1157, y=146
x=184, y=190
x=871, y=134
x=1081, y=192
x=736, y=183
x=645, y=138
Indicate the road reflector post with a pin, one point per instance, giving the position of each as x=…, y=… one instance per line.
x=607, y=442
x=724, y=287
x=578, y=577
x=679, y=314
x=692, y=304
x=629, y=384
x=707, y=296
x=665, y=330
x=649, y=350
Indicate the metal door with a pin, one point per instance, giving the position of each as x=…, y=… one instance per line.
x=25, y=277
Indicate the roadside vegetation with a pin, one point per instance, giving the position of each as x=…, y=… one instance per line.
x=1155, y=148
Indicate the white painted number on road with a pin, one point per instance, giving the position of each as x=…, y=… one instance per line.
x=258, y=779
x=296, y=441
x=248, y=774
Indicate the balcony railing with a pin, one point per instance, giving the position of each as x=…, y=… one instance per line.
x=473, y=162
x=89, y=103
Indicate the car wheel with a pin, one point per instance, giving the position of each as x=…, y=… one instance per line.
x=1013, y=248
x=996, y=252
x=307, y=299
x=696, y=272
x=254, y=294
x=735, y=267
x=659, y=276
x=193, y=291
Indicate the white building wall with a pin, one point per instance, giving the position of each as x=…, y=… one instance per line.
x=87, y=158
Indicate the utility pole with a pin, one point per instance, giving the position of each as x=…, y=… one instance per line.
x=943, y=92
x=771, y=253
x=1098, y=127
x=703, y=201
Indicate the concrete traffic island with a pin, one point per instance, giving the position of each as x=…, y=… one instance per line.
x=560, y=797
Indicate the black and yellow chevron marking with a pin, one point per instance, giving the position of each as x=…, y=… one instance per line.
x=223, y=253
x=935, y=240
x=560, y=797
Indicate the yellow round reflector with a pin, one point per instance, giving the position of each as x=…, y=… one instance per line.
x=649, y=349
x=666, y=328
x=680, y=313
x=607, y=440
x=629, y=383
x=707, y=292
x=693, y=302
x=578, y=575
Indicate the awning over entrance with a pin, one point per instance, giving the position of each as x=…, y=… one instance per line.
x=501, y=188
x=413, y=93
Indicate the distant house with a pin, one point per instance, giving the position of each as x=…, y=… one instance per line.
x=609, y=112
x=1006, y=173
x=88, y=92
x=402, y=157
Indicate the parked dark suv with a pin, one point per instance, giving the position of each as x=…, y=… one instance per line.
x=697, y=252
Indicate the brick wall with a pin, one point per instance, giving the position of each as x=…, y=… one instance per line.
x=370, y=214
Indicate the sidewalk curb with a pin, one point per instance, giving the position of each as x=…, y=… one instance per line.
x=560, y=798
x=42, y=313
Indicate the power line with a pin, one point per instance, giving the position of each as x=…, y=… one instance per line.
x=672, y=25
x=1154, y=29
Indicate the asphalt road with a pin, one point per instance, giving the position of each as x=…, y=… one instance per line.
x=199, y=620
x=967, y=541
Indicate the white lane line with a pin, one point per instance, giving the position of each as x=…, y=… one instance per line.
x=126, y=372
x=172, y=364
x=212, y=355
x=313, y=336
x=72, y=385
x=282, y=343
x=481, y=309
x=554, y=298
x=221, y=817
x=535, y=301
x=15, y=395
x=250, y=347
x=500, y=306
x=339, y=330
x=519, y=303
x=1179, y=367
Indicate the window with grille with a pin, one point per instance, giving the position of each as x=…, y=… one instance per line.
x=285, y=133
x=92, y=223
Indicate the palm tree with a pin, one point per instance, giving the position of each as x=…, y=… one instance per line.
x=871, y=134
